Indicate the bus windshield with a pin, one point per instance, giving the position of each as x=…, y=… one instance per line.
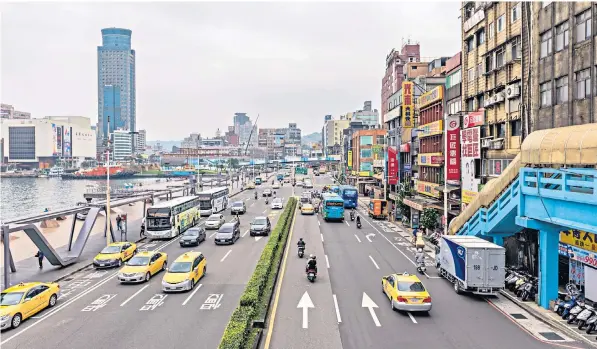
x=204, y=203
x=158, y=212
x=350, y=193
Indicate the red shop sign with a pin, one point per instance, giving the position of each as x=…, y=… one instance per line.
x=453, y=152
x=392, y=166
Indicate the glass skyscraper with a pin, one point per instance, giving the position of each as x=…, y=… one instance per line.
x=116, y=82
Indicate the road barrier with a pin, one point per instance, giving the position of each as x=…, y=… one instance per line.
x=254, y=302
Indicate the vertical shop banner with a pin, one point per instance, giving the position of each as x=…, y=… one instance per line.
x=470, y=150
x=349, y=160
x=54, y=140
x=453, y=153
x=392, y=166
x=408, y=105
x=471, y=142
x=67, y=141
x=59, y=140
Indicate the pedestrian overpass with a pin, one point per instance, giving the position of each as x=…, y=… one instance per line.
x=551, y=186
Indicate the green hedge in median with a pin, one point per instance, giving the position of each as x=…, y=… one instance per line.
x=260, y=287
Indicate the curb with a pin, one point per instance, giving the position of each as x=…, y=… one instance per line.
x=136, y=241
x=570, y=332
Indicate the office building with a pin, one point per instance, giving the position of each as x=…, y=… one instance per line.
x=367, y=116
x=7, y=111
x=122, y=145
x=116, y=82
x=140, y=139
x=367, y=153
x=394, y=75
x=41, y=143
x=193, y=141
x=293, y=134
x=563, y=74
x=332, y=136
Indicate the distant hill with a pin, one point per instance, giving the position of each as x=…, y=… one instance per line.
x=166, y=145
x=311, y=138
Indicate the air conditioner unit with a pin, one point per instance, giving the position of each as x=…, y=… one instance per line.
x=497, y=144
x=494, y=99
x=487, y=102
x=485, y=143
x=513, y=91
x=500, y=97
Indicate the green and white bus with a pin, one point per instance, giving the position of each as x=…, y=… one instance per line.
x=170, y=218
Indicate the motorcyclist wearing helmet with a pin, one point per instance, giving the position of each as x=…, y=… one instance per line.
x=358, y=220
x=301, y=243
x=311, y=264
x=420, y=257
x=255, y=194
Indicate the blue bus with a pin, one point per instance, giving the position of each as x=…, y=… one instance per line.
x=335, y=189
x=332, y=207
x=350, y=196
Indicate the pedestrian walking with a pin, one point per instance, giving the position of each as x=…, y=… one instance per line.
x=118, y=222
x=40, y=258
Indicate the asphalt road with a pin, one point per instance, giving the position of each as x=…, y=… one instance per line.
x=350, y=311
x=96, y=311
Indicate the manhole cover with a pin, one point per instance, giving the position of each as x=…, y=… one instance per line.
x=518, y=316
x=551, y=336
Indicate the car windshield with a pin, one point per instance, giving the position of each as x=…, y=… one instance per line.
x=213, y=218
x=110, y=250
x=410, y=286
x=260, y=221
x=225, y=230
x=12, y=298
x=138, y=261
x=278, y=200
x=180, y=267
x=192, y=233
x=237, y=204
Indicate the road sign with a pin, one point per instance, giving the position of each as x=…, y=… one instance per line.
x=370, y=304
x=305, y=303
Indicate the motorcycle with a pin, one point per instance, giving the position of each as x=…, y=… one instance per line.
x=575, y=311
x=311, y=275
x=591, y=323
x=351, y=216
x=359, y=225
x=568, y=306
x=530, y=290
x=266, y=201
x=584, y=315
x=301, y=251
x=421, y=268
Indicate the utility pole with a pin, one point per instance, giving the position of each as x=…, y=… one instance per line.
x=108, y=222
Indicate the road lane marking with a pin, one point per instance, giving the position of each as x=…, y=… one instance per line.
x=370, y=304
x=337, y=308
x=264, y=211
x=321, y=237
x=272, y=320
x=252, y=205
x=192, y=294
x=318, y=222
x=356, y=236
x=347, y=223
x=133, y=296
x=397, y=249
x=212, y=235
x=372, y=260
x=412, y=318
x=305, y=303
x=227, y=253
x=327, y=261
x=246, y=232
x=369, y=235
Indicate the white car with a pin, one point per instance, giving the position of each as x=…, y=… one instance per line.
x=308, y=184
x=299, y=184
x=277, y=203
x=215, y=221
x=276, y=185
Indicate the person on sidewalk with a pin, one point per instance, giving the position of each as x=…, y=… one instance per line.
x=40, y=258
x=415, y=231
x=118, y=222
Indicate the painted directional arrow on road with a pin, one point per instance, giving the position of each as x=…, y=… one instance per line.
x=257, y=238
x=370, y=304
x=306, y=303
x=369, y=236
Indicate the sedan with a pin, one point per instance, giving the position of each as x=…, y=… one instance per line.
x=267, y=192
x=238, y=207
x=193, y=236
x=227, y=234
x=276, y=185
x=24, y=300
x=277, y=204
x=215, y=221
x=406, y=292
x=260, y=226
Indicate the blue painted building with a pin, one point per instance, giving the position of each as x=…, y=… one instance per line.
x=116, y=81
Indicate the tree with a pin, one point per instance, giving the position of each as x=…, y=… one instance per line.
x=233, y=163
x=429, y=218
x=403, y=192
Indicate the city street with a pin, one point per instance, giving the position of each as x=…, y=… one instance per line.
x=347, y=309
x=95, y=309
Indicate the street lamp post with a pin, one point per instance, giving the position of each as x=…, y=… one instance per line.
x=108, y=222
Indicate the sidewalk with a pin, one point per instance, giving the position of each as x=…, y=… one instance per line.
x=28, y=268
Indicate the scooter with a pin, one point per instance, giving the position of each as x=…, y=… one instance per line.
x=311, y=275
x=359, y=225
x=421, y=268
x=530, y=290
x=301, y=251
x=575, y=311
x=584, y=315
x=591, y=323
x=351, y=216
x=567, y=307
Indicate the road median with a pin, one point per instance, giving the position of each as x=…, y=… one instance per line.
x=254, y=302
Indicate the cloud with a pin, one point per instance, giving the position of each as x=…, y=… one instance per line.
x=198, y=63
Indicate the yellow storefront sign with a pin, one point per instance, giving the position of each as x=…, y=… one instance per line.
x=349, y=160
x=408, y=105
x=580, y=239
x=364, y=174
x=433, y=128
x=428, y=189
x=468, y=196
x=432, y=96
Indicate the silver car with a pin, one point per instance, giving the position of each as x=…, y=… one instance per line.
x=215, y=221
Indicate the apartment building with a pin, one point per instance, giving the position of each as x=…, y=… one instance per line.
x=367, y=154
x=564, y=55
x=395, y=73
x=495, y=74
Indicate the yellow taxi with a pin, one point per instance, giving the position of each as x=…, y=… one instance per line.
x=406, y=292
x=251, y=185
x=24, y=300
x=185, y=272
x=115, y=254
x=143, y=266
x=307, y=208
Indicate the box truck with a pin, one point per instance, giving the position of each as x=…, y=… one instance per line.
x=472, y=264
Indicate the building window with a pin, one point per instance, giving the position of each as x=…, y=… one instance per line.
x=562, y=90
x=583, y=84
x=490, y=31
x=380, y=139
x=516, y=48
x=562, y=34
x=489, y=63
x=583, y=26
x=545, y=43
x=471, y=74
x=516, y=127
x=21, y=143
x=470, y=44
x=480, y=37
x=479, y=70
x=515, y=13
x=470, y=104
x=366, y=140
x=480, y=100
x=500, y=24
x=499, y=57
x=366, y=153
x=545, y=89
x=513, y=105
x=500, y=130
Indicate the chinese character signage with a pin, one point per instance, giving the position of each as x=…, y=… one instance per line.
x=580, y=239
x=578, y=254
x=392, y=166
x=54, y=140
x=428, y=189
x=408, y=105
x=471, y=142
x=453, y=152
x=432, y=128
x=349, y=160
x=473, y=119
x=433, y=159
x=67, y=141
x=437, y=94
x=59, y=140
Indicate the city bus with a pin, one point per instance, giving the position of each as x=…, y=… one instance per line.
x=170, y=218
x=213, y=201
x=332, y=207
x=258, y=181
x=350, y=195
x=335, y=189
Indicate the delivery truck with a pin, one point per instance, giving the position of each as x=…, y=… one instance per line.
x=471, y=264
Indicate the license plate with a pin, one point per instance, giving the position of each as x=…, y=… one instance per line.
x=413, y=299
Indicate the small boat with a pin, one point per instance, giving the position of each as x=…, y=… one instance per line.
x=56, y=171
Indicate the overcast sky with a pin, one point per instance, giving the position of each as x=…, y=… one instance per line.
x=199, y=63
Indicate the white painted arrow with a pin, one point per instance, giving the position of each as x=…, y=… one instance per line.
x=369, y=303
x=257, y=238
x=306, y=303
x=369, y=235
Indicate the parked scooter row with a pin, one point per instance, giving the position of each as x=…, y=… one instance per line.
x=521, y=283
x=575, y=310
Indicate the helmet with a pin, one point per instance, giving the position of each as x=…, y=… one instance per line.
x=312, y=257
x=301, y=239
x=419, y=249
